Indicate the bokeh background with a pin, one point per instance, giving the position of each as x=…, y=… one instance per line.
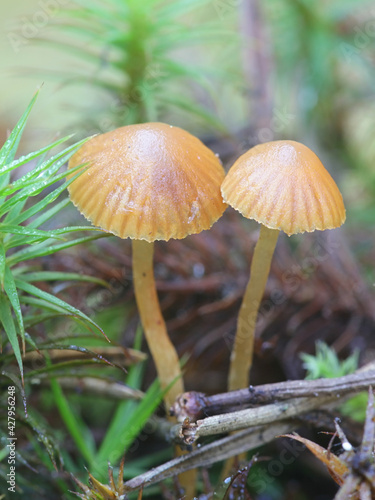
x=258, y=71
x=236, y=73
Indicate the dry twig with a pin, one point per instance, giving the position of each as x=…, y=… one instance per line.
x=96, y=386
x=314, y=394
x=261, y=426
x=195, y=405
x=209, y=454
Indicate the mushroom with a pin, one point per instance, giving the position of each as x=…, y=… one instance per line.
x=283, y=186
x=149, y=182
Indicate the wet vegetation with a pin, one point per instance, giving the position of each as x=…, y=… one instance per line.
x=88, y=415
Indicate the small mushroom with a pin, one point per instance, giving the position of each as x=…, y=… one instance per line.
x=283, y=186
x=149, y=182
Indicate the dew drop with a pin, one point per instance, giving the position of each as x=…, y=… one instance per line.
x=198, y=270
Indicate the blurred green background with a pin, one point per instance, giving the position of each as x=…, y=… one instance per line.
x=231, y=71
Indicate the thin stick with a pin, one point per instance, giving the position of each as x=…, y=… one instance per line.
x=195, y=405
x=92, y=385
x=250, y=438
x=281, y=410
x=238, y=420
x=206, y=455
x=121, y=355
x=163, y=352
x=242, y=353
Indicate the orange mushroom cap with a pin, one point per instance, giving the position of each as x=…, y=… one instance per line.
x=149, y=181
x=283, y=185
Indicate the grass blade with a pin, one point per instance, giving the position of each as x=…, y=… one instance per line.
x=54, y=301
x=45, y=216
x=129, y=419
x=9, y=149
x=61, y=276
x=11, y=291
x=43, y=249
x=25, y=231
x=43, y=171
x=36, y=188
x=6, y=319
x=126, y=426
x=77, y=429
x=8, y=167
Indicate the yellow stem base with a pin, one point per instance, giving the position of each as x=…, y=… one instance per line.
x=162, y=350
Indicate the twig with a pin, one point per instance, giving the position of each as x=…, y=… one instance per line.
x=229, y=422
x=325, y=391
x=123, y=355
x=195, y=405
x=275, y=419
x=96, y=386
x=209, y=454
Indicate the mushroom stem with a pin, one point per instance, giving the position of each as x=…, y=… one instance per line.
x=242, y=353
x=162, y=350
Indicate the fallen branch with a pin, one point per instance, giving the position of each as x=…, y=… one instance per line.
x=93, y=385
x=235, y=421
x=195, y=405
x=209, y=454
x=261, y=424
x=320, y=393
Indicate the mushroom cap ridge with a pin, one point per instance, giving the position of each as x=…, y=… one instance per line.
x=284, y=185
x=148, y=181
